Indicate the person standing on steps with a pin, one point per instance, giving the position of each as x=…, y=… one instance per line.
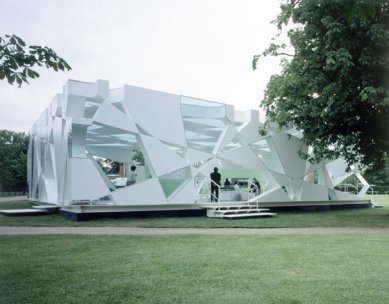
x=215, y=184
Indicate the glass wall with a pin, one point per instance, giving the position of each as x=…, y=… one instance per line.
x=172, y=181
x=204, y=122
x=266, y=151
x=316, y=177
x=113, y=151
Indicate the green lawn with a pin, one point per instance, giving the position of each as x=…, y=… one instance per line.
x=372, y=217
x=198, y=268
x=194, y=269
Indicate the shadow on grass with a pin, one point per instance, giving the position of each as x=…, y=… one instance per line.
x=372, y=217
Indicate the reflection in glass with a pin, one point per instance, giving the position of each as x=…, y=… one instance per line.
x=233, y=144
x=204, y=123
x=172, y=181
x=113, y=151
x=316, y=177
x=266, y=151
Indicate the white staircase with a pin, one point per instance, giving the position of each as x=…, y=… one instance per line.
x=235, y=210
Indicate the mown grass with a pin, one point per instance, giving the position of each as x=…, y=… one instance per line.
x=194, y=269
x=372, y=217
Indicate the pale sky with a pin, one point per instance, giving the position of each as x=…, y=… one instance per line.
x=198, y=48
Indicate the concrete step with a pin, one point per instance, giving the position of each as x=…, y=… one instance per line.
x=246, y=215
x=237, y=208
x=22, y=211
x=241, y=211
x=47, y=208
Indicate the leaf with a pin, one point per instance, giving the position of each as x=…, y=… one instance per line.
x=11, y=78
x=20, y=41
x=16, y=62
x=61, y=66
x=340, y=52
x=19, y=81
x=30, y=73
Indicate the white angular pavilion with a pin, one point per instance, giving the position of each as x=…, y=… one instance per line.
x=181, y=140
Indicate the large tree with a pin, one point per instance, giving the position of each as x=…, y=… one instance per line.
x=13, y=161
x=335, y=77
x=378, y=177
x=17, y=60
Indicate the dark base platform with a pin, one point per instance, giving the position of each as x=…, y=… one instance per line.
x=79, y=217
x=315, y=208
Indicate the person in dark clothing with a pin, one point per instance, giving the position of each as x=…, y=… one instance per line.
x=215, y=184
x=255, y=186
x=227, y=183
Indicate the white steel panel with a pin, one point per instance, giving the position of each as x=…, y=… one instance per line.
x=148, y=192
x=86, y=183
x=164, y=160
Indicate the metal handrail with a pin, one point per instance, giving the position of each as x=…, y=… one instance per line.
x=349, y=185
x=372, y=190
x=211, y=194
x=256, y=191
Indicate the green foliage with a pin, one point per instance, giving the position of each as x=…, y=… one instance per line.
x=13, y=160
x=109, y=166
x=17, y=60
x=335, y=86
x=138, y=157
x=379, y=177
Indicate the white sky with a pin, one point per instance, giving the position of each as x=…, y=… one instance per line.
x=198, y=48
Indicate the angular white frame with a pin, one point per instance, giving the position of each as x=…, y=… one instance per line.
x=62, y=171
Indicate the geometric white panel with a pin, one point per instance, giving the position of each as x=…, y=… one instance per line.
x=296, y=187
x=229, y=135
x=89, y=131
x=337, y=168
x=346, y=196
x=243, y=157
x=164, y=160
x=139, y=194
x=249, y=130
x=109, y=115
x=146, y=107
x=86, y=183
x=274, y=195
x=186, y=195
x=195, y=156
x=313, y=192
x=287, y=151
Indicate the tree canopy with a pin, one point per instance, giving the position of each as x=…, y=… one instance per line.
x=13, y=161
x=334, y=82
x=17, y=60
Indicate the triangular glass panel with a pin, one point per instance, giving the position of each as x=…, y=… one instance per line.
x=233, y=144
x=204, y=123
x=172, y=181
x=266, y=151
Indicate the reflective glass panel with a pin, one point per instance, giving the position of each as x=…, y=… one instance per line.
x=266, y=151
x=204, y=123
x=113, y=151
x=233, y=144
x=316, y=177
x=172, y=181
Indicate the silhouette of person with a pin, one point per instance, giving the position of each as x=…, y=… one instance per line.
x=255, y=186
x=215, y=184
x=131, y=177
